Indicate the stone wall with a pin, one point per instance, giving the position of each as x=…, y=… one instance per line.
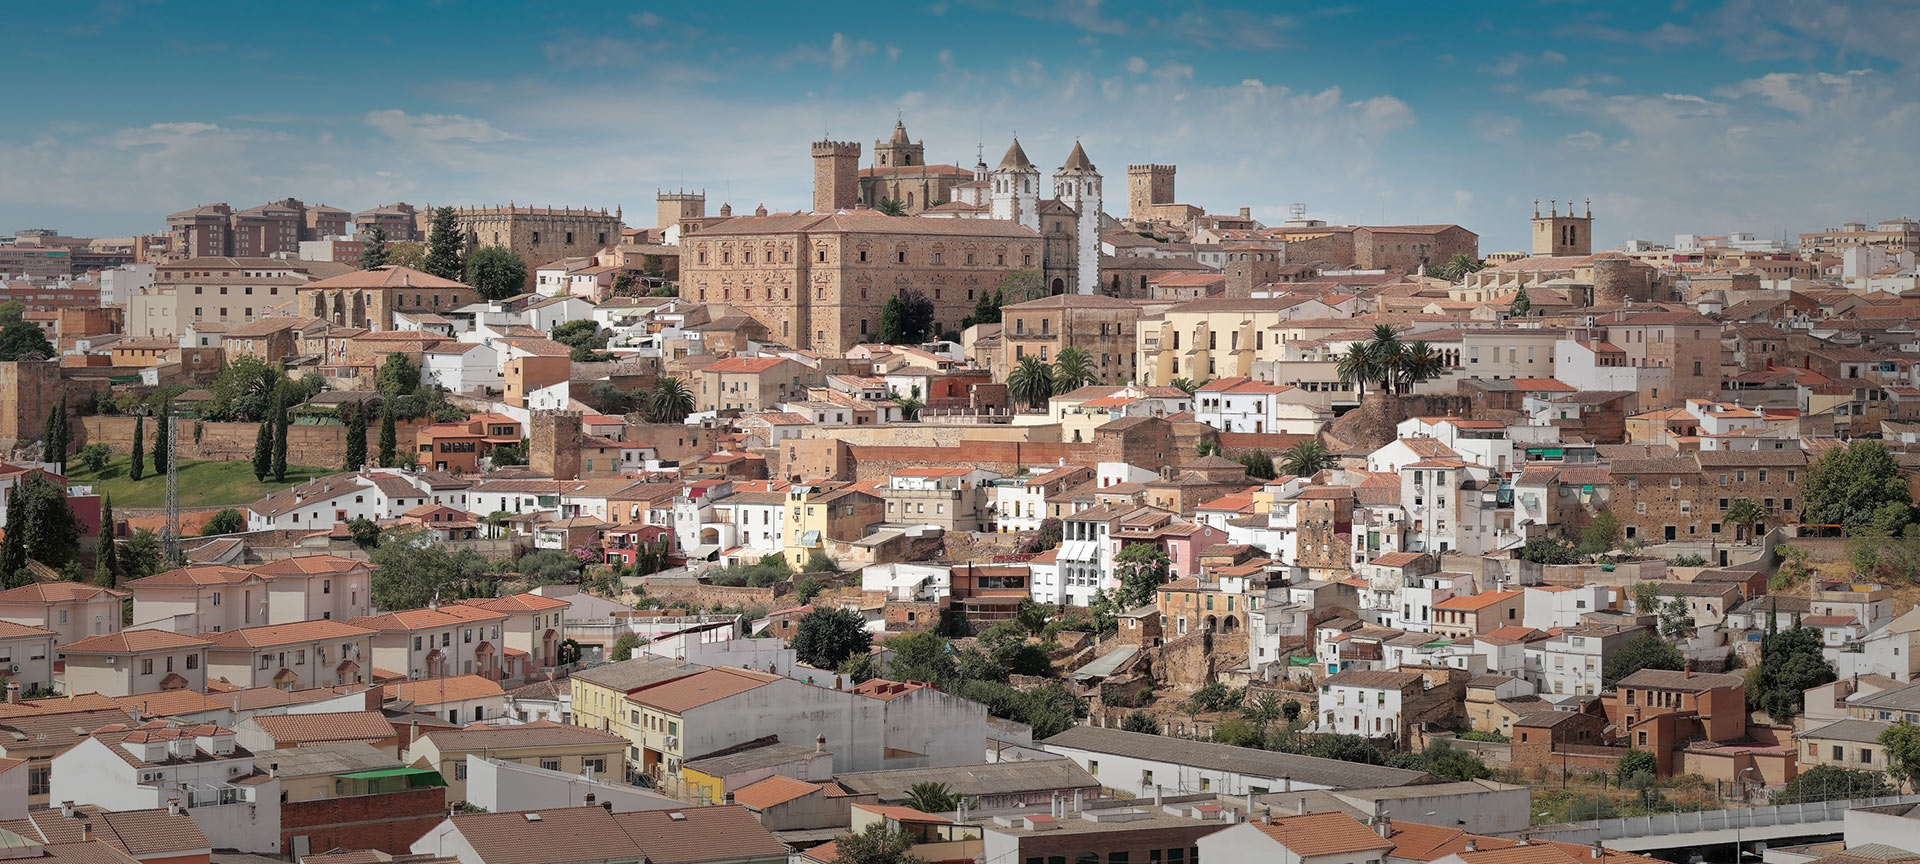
x=698, y=596
x=226, y=442
x=1004, y=457
x=389, y=822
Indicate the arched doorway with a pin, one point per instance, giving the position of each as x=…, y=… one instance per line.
x=1059, y=285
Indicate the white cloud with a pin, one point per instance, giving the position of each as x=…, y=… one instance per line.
x=840, y=52
x=1586, y=139
x=1137, y=65
x=434, y=128
x=645, y=20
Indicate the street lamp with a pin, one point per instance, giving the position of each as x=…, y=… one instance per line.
x=1738, y=790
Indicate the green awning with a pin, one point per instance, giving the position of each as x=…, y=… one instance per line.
x=389, y=772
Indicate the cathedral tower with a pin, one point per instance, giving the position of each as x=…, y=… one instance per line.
x=1016, y=188
x=898, y=150
x=1148, y=185
x=1554, y=234
x=836, y=175
x=1077, y=185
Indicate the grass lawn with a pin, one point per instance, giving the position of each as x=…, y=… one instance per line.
x=202, y=484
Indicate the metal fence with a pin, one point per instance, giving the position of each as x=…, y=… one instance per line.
x=1663, y=824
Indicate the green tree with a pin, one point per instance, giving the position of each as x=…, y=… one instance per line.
x=355, y=417
x=20, y=340
x=1307, y=458
x=584, y=336
x=1457, y=267
x=549, y=567
x=1072, y=369
x=877, y=844
x=243, y=391
x=13, y=549
x=12, y=311
x=93, y=457
x=225, y=521
x=670, y=401
x=624, y=647
x=1521, y=307
x=986, y=308
x=825, y=638
x=409, y=572
x=890, y=207
x=1832, y=783
x=1142, y=568
x=910, y=408
x=1645, y=651
x=923, y=656
x=162, y=430
x=444, y=246
x=1259, y=465
x=1185, y=385
x=408, y=254
x=1635, y=762
x=1791, y=662
x=1748, y=518
x=1031, y=616
x=141, y=556
x=819, y=562
x=1675, y=617
x=1545, y=549
x=1031, y=382
x=1646, y=598
x=1206, y=447
x=496, y=273
x=280, y=422
x=859, y=668
x=396, y=377
x=1445, y=761
x=928, y=796
x=1236, y=731
x=1021, y=286
x=365, y=534
x=1901, y=741
x=48, y=529
x=1858, y=487
x=106, y=552
x=263, y=439
x=1355, y=368
x=1346, y=748
x=1141, y=722
x=137, y=465
x=389, y=438
x=373, y=249
x=1600, y=535
x=1290, y=710
x=56, y=434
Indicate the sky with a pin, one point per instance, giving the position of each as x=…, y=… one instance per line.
x=1767, y=116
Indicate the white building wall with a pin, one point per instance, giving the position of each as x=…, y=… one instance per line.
x=505, y=786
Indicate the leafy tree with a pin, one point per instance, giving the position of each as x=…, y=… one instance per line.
x=624, y=647
x=1072, y=369
x=1142, y=568
x=409, y=572
x=1031, y=381
x=1646, y=598
x=1548, y=550
x=1290, y=710
x=928, y=796
x=1646, y=651
x=1031, y=616
x=496, y=273
x=389, y=438
x=226, y=521
x=396, y=376
x=1635, y=762
x=1142, y=722
x=876, y=844
x=1457, y=267
x=922, y=656
x=443, y=246
x=1215, y=696
x=1346, y=748
x=1600, y=535
x=106, y=552
x=1045, y=537
x=93, y=457
x=1521, y=307
x=365, y=533
x=162, y=430
x=20, y=340
x=890, y=207
x=549, y=567
x=986, y=308
x=141, y=556
x=907, y=318
x=263, y=439
x=1442, y=760
x=1832, y=783
x=373, y=250
x=825, y=638
x=584, y=336
x=1307, y=458
x=910, y=408
x=280, y=423
x=408, y=254
x=1021, y=286
x=12, y=311
x=1791, y=661
x=1902, y=744
x=138, y=464
x=243, y=391
x=1746, y=514
x=48, y=529
x=1259, y=465
x=1238, y=732
x=860, y=667
x=355, y=416
x=1675, y=617
x=1105, y=611
x=805, y=590
x=819, y=562
x=1262, y=710
x=1858, y=487
x=670, y=401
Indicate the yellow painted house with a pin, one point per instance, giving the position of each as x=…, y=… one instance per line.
x=600, y=699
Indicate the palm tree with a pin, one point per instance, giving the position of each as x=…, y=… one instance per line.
x=670, y=401
x=910, y=408
x=1072, y=370
x=1355, y=367
x=928, y=796
x=1745, y=513
x=1306, y=458
x=1031, y=382
x=890, y=207
x=1185, y=385
x=1387, y=353
x=1459, y=266
x=1420, y=363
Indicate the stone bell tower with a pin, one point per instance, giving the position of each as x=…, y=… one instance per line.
x=1558, y=235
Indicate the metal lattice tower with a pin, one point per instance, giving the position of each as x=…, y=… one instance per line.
x=173, y=487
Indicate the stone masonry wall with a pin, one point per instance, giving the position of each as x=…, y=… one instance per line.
x=306, y=445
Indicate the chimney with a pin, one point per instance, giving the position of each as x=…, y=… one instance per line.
x=836, y=682
x=66, y=809
x=1301, y=806
x=1473, y=844
x=1384, y=827
x=1053, y=807
x=591, y=797
x=819, y=744
x=13, y=692
x=173, y=807
x=1249, y=803
x=1599, y=851
x=273, y=769
x=607, y=806
x=86, y=831
x=1158, y=800
x=1076, y=798
x=1286, y=783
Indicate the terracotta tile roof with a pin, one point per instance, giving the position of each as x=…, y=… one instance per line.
x=1476, y=602
x=390, y=276
x=133, y=641
x=523, y=602
x=285, y=634
x=56, y=592
x=1317, y=834
x=205, y=574
x=435, y=691
x=450, y=615
x=773, y=790
x=702, y=688
x=291, y=730
x=744, y=364
x=1398, y=559
x=140, y=833
x=581, y=834
x=309, y=565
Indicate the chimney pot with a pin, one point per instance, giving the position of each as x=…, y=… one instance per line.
x=607, y=806
x=591, y=797
x=1158, y=799
x=66, y=809
x=819, y=744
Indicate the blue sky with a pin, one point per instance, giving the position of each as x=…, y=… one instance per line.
x=1758, y=115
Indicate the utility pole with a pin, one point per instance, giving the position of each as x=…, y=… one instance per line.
x=173, y=487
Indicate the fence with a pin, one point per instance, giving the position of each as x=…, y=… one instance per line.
x=1742, y=818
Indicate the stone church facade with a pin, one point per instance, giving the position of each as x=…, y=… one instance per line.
x=539, y=235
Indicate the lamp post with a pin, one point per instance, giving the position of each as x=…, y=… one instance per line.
x=1738, y=790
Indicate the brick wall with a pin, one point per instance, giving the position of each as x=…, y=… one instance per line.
x=389, y=823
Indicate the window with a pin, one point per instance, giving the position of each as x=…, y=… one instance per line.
x=146, y=666
x=266, y=661
x=1093, y=767
x=460, y=770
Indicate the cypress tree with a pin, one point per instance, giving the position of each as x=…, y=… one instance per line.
x=389, y=442
x=356, y=422
x=13, y=549
x=263, y=451
x=280, y=442
x=57, y=433
x=443, y=246
x=162, y=430
x=138, y=466
x=106, y=553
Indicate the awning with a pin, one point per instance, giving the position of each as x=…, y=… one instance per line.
x=388, y=772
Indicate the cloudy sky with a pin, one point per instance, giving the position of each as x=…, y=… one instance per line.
x=1681, y=116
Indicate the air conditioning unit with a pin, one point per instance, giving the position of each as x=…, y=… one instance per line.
x=673, y=742
x=15, y=669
